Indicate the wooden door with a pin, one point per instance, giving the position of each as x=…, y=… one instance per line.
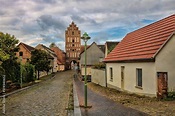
x=162, y=83
x=122, y=77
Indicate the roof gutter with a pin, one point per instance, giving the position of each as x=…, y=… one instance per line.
x=132, y=60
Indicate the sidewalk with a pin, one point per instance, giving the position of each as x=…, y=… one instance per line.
x=101, y=106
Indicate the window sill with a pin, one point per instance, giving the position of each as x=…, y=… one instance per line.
x=139, y=87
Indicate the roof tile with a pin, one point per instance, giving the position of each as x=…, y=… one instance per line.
x=144, y=42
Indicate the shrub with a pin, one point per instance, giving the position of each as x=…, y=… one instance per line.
x=99, y=66
x=171, y=95
x=28, y=72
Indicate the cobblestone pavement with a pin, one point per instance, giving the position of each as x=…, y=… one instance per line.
x=49, y=98
x=102, y=106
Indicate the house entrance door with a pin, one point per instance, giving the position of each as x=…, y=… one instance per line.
x=122, y=77
x=162, y=83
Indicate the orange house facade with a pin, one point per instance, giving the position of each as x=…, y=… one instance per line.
x=24, y=53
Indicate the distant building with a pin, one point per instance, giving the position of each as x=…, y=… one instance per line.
x=53, y=56
x=24, y=53
x=61, y=55
x=95, y=54
x=72, y=44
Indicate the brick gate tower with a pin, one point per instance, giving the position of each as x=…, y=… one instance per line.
x=72, y=45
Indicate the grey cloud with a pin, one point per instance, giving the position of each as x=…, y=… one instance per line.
x=46, y=1
x=49, y=18
x=100, y=37
x=47, y=21
x=47, y=38
x=30, y=28
x=80, y=19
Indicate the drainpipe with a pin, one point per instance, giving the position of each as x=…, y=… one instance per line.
x=106, y=76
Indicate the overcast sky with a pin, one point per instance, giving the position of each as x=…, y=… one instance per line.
x=45, y=21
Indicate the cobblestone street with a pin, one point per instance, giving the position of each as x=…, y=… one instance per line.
x=49, y=98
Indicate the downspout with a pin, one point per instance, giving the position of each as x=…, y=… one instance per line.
x=105, y=76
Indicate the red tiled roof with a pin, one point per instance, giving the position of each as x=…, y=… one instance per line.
x=145, y=42
x=60, y=55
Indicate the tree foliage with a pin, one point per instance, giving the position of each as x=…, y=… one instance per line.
x=28, y=72
x=99, y=65
x=8, y=60
x=52, y=45
x=41, y=61
x=111, y=48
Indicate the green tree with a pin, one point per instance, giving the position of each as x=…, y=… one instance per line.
x=28, y=72
x=111, y=48
x=41, y=61
x=8, y=57
x=52, y=45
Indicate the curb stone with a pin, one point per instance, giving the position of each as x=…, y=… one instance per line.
x=77, y=111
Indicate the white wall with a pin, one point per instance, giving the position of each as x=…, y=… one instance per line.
x=88, y=70
x=149, y=82
x=165, y=62
x=98, y=76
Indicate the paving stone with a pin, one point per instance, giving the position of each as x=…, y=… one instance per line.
x=49, y=98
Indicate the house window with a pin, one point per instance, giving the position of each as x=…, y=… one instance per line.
x=20, y=53
x=139, y=77
x=111, y=74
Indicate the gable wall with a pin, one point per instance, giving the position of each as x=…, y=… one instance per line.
x=93, y=55
x=165, y=62
x=26, y=54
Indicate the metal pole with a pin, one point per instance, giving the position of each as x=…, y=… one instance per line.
x=21, y=71
x=3, y=91
x=85, y=81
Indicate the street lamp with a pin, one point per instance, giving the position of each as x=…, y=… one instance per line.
x=85, y=37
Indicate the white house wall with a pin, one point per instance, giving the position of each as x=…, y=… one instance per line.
x=88, y=70
x=165, y=62
x=149, y=82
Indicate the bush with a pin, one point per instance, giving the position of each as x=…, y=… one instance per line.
x=171, y=95
x=28, y=72
x=99, y=66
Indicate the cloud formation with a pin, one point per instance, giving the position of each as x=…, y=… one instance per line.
x=45, y=21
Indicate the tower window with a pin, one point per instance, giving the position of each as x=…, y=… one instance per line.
x=72, y=33
x=73, y=40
